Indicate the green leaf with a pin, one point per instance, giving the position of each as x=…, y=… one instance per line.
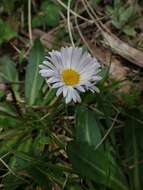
x=6, y=32
x=33, y=80
x=50, y=95
x=40, y=141
x=9, y=73
x=7, y=109
x=8, y=70
x=8, y=5
x=8, y=144
x=39, y=177
x=6, y=121
x=87, y=127
x=117, y=4
x=109, y=10
x=52, y=15
x=125, y=15
x=2, y=94
x=133, y=133
x=24, y=145
x=74, y=187
x=96, y=165
x=116, y=23
x=38, y=20
x=129, y=30
x=12, y=182
x=10, y=133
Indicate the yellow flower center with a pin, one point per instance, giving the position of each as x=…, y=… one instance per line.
x=70, y=77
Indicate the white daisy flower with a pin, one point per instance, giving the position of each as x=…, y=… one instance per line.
x=71, y=71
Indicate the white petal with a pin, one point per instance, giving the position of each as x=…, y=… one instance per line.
x=77, y=96
x=53, y=80
x=65, y=58
x=48, y=73
x=96, y=78
x=43, y=67
x=80, y=88
x=56, y=59
x=65, y=91
x=59, y=91
x=77, y=53
x=69, y=57
x=57, y=85
x=74, y=97
x=95, y=89
x=68, y=97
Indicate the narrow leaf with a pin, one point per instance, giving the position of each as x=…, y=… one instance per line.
x=7, y=108
x=87, y=127
x=33, y=81
x=8, y=73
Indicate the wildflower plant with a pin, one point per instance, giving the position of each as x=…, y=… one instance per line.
x=49, y=143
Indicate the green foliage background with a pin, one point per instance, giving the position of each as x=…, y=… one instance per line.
x=45, y=144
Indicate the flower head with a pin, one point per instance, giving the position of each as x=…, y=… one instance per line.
x=71, y=71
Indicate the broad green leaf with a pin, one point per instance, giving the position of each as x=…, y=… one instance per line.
x=87, y=127
x=51, y=11
x=96, y=165
x=6, y=31
x=33, y=80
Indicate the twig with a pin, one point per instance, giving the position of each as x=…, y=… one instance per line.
x=29, y=22
x=80, y=33
x=69, y=23
x=123, y=49
x=74, y=13
x=10, y=170
x=89, y=10
x=108, y=131
x=95, y=18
